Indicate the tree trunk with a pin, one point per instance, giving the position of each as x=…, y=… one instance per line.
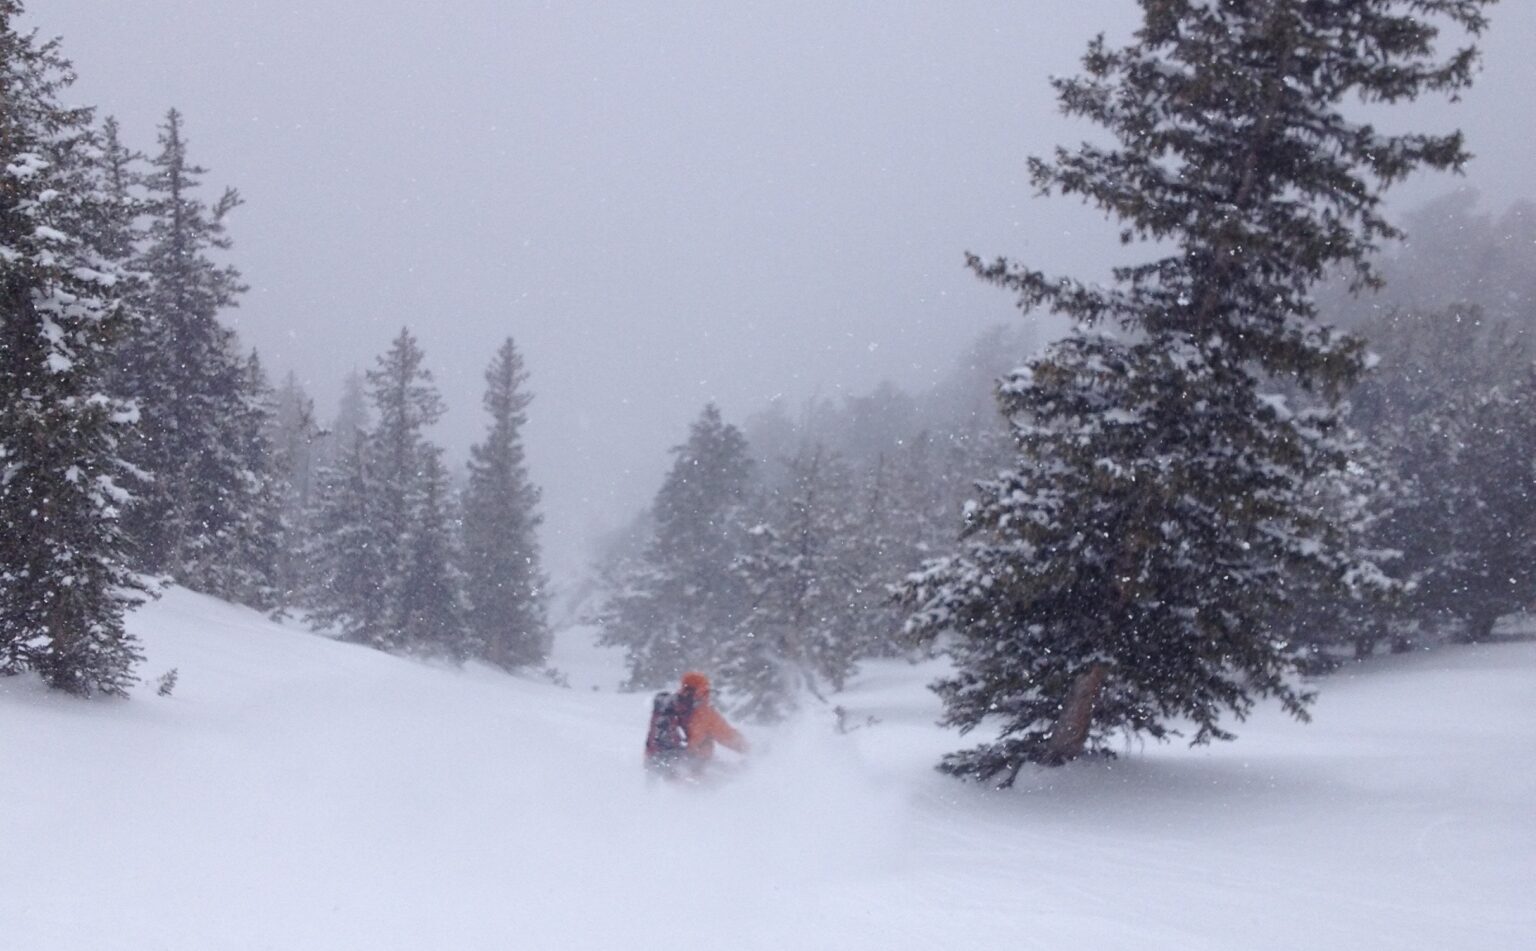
x=1071, y=730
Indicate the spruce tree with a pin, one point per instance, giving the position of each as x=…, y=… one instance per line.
x=678, y=603
x=1432, y=410
x=407, y=404
x=117, y=232
x=428, y=596
x=294, y=436
x=504, y=584
x=903, y=516
x=211, y=491
x=383, y=543
x=294, y=432
x=1127, y=573
x=1469, y=525
x=349, y=551
x=803, y=579
x=246, y=569
x=64, y=580
x=342, y=553
x=352, y=416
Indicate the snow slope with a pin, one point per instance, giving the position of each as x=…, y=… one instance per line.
x=298, y=794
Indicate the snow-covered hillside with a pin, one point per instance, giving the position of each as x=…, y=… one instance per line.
x=299, y=794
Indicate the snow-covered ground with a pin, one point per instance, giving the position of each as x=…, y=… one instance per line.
x=299, y=794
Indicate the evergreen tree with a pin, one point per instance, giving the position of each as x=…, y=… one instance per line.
x=907, y=513
x=64, y=583
x=247, y=566
x=1129, y=570
x=878, y=536
x=345, y=558
x=407, y=404
x=1361, y=498
x=682, y=598
x=383, y=541
x=294, y=429
x=802, y=577
x=429, y=612
x=116, y=228
x=211, y=493
x=351, y=417
x=1469, y=526
x=504, y=584
x=349, y=551
x=294, y=436
x=1430, y=409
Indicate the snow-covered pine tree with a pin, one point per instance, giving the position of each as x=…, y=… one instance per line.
x=348, y=550
x=879, y=537
x=504, y=583
x=802, y=578
x=908, y=509
x=246, y=569
x=682, y=597
x=1472, y=516
x=1359, y=498
x=1419, y=410
x=64, y=579
x=208, y=496
x=429, y=597
x=294, y=435
x=1127, y=573
x=116, y=229
x=406, y=468
x=342, y=555
x=352, y=416
x=295, y=429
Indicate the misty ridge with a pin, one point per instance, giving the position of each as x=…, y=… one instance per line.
x=1292, y=435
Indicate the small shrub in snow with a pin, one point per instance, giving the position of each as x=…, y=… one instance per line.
x=166, y=683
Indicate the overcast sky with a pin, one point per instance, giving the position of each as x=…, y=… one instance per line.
x=662, y=203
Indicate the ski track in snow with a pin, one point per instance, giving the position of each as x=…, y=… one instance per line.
x=300, y=794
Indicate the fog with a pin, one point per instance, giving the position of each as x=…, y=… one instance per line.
x=662, y=206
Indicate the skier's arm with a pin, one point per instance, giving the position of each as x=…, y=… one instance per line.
x=728, y=736
x=708, y=726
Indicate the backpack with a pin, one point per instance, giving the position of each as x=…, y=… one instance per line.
x=669, y=718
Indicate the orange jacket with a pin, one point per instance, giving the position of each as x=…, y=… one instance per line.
x=705, y=727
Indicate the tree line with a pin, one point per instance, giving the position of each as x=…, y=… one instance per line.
x=769, y=553
x=139, y=443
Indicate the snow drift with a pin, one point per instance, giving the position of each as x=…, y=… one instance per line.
x=295, y=793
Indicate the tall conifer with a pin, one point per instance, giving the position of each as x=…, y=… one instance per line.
x=1125, y=575
x=210, y=493
x=383, y=541
x=348, y=550
x=429, y=608
x=64, y=581
x=678, y=603
x=803, y=581
x=504, y=583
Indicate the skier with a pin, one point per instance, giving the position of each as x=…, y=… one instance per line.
x=684, y=730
